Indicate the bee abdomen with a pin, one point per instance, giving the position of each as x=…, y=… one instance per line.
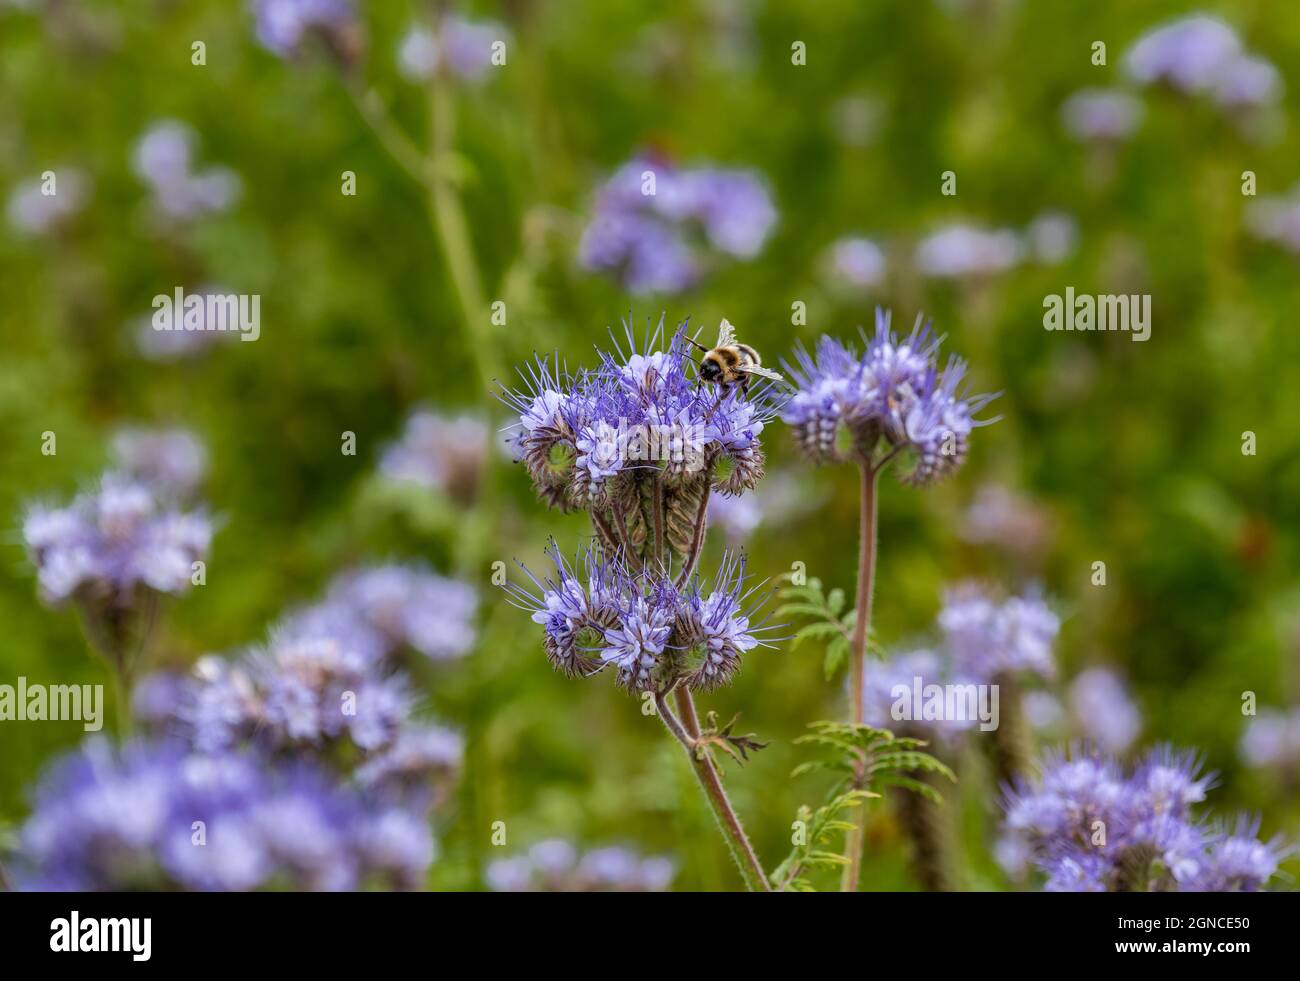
x=748, y=354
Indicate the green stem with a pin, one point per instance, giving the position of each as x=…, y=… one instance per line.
x=687, y=732
x=858, y=649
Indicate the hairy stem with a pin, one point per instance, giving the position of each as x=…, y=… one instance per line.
x=687, y=733
x=692, y=557
x=858, y=649
x=657, y=503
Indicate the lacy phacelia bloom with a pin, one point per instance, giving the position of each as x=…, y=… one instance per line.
x=171, y=461
x=463, y=48
x=987, y=638
x=1103, y=712
x=964, y=251
x=378, y=610
x=557, y=866
x=888, y=695
x=1101, y=115
x=164, y=160
x=648, y=213
x=113, y=543
x=655, y=634
x=1091, y=827
x=440, y=453
x=38, y=207
x=639, y=443
x=283, y=26
x=157, y=816
x=892, y=391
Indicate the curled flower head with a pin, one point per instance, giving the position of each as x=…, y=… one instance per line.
x=653, y=632
x=639, y=441
x=893, y=392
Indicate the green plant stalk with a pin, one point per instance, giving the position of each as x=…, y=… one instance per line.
x=687, y=731
x=453, y=230
x=858, y=648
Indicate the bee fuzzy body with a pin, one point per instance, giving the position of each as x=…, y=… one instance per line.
x=731, y=363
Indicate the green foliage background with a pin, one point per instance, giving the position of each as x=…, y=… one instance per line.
x=1134, y=450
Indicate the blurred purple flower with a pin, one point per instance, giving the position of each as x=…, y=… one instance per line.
x=965, y=251
x=34, y=212
x=556, y=866
x=1188, y=54
x=284, y=25
x=642, y=228
x=463, y=47
x=987, y=638
x=171, y=461
x=439, y=453
x=1103, y=711
x=855, y=264
x=154, y=815
x=163, y=159
x=1101, y=115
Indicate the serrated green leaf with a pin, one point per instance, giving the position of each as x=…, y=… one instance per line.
x=837, y=653
x=835, y=601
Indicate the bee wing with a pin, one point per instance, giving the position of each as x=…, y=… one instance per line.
x=726, y=333
x=756, y=369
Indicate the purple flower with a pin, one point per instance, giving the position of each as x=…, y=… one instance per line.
x=1188, y=54
x=1247, y=82
x=593, y=438
x=284, y=25
x=556, y=866
x=1101, y=115
x=378, y=610
x=463, y=47
x=893, y=390
x=653, y=632
x=38, y=208
x=855, y=264
x=171, y=461
x=988, y=638
x=652, y=223
x=114, y=543
x=1272, y=739
x=163, y=159
x=1090, y=827
x=1103, y=710
x=965, y=251
x=154, y=815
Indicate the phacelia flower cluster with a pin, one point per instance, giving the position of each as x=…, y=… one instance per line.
x=171, y=461
x=1091, y=827
x=640, y=443
x=114, y=544
x=652, y=222
x=557, y=866
x=156, y=815
x=1102, y=710
x=461, y=48
x=1101, y=115
x=654, y=633
x=164, y=159
x=855, y=264
x=378, y=611
x=439, y=453
x=1201, y=55
x=892, y=392
x=968, y=252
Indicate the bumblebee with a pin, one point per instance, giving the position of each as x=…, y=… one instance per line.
x=730, y=363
